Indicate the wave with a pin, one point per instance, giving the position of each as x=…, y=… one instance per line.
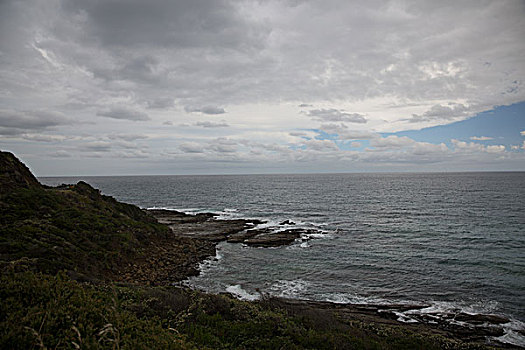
x=437, y=312
x=289, y=289
x=239, y=292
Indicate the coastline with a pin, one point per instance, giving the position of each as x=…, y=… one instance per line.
x=78, y=267
x=195, y=237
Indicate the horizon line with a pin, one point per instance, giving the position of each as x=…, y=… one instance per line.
x=294, y=173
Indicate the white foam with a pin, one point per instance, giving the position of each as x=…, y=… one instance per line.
x=445, y=307
x=513, y=333
x=240, y=293
x=302, y=245
x=322, y=234
x=337, y=299
x=210, y=263
x=289, y=289
x=348, y=298
x=161, y=208
x=512, y=330
x=404, y=318
x=189, y=211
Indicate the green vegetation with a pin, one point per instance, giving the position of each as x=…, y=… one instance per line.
x=54, y=312
x=44, y=311
x=73, y=228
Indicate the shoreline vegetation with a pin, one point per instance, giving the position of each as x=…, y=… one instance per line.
x=80, y=270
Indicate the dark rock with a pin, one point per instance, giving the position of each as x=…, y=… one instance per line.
x=274, y=239
x=172, y=217
x=287, y=222
x=242, y=236
x=481, y=318
x=266, y=237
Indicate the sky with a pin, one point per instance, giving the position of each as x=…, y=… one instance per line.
x=114, y=87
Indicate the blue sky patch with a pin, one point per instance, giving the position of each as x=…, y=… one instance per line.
x=502, y=124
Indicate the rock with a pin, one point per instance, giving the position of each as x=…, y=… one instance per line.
x=286, y=222
x=481, y=318
x=242, y=236
x=274, y=239
x=171, y=217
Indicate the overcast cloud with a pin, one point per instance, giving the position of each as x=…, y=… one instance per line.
x=288, y=85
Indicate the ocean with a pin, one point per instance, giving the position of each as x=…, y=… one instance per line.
x=453, y=241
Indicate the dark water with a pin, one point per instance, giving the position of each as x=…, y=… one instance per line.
x=456, y=241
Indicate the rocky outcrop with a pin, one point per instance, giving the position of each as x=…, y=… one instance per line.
x=204, y=226
x=168, y=261
x=240, y=237
x=267, y=237
x=473, y=328
x=201, y=225
x=287, y=222
x=275, y=239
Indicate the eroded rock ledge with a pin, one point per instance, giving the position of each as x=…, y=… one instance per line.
x=206, y=226
x=171, y=259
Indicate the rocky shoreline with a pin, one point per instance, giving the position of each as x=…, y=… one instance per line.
x=171, y=260
x=194, y=237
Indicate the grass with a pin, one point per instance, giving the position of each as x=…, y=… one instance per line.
x=43, y=311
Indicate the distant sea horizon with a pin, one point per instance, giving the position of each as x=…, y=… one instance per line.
x=287, y=173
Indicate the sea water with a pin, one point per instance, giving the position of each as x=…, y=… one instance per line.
x=455, y=241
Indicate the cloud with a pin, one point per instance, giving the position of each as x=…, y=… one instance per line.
x=321, y=145
x=14, y=122
x=205, y=110
x=336, y=115
x=344, y=133
x=440, y=112
x=191, y=147
x=44, y=137
x=209, y=124
x=124, y=113
x=95, y=146
x=137, y=153
x=425, y=149
x=127, y=137
x=180, y=24
x=161, y=103
x=495, y=148
x=481, y=138
x=462, y=146
x=467, y=146
x=392, y=142
x=60, y=154
x=223, y=145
